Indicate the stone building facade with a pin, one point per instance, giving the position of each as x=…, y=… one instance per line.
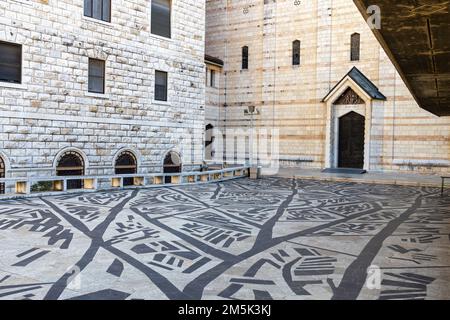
x=51, y=112
x=339, y=85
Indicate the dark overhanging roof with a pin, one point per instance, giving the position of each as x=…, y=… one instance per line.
x=363, y=82
x=415, y=36
x=213, y=60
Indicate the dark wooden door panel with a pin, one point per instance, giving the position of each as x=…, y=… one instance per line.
x=351, y=141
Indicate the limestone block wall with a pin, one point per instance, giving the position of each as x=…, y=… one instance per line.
x=403, y=137
x=52, y=110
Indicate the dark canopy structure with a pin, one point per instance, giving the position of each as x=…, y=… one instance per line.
x=415, y=35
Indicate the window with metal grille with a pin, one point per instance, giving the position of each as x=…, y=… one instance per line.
x=71, y=163
x=98, y=9
x=244, y=58
x=161, y=20
x=96, y=76
x=160, y=85
x=126, y=164
x=10, y=62
x=355, y=47
x=296, y=53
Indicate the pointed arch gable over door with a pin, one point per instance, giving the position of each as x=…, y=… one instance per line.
x=349, y=121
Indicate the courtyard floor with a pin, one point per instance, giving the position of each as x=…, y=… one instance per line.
x=275, y=238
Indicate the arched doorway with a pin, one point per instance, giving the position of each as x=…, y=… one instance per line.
x=209, y=139
x=351, y=141
x=71, y=163
x=126, y=163
x=172, y=164
x=2, y=175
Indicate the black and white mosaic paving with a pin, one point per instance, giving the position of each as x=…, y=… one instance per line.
x=274, y=238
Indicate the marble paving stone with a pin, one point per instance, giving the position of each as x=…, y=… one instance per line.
x=275, y=238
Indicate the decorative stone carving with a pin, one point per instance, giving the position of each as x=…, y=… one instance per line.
x=349, y=97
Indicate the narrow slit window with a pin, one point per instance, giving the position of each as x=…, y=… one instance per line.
x=355, y=47
x=296, y=53
x=244, y=58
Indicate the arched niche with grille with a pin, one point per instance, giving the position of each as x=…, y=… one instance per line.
x=172, y=164
x=126, y=163
x=71, y=163
x=355, y=47
x=2, y=175
x=296, y=52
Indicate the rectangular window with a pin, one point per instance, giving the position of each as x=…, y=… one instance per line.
x=161, y=18
x=98, y=9
x=96, y=76
x=212, y=79
x=161, y=86
x=10, y=62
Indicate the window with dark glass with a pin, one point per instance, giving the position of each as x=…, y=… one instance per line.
x=296, y=53
x=96, y=76
x=160, y=22
x=212, y=78
x=98, y=9
x=244, y=58
x=161, y=86
x=10, y=62
x=355, y=47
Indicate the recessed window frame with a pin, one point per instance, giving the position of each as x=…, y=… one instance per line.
x=152, y=31
x=91, y=13
x=166, y=86
x=103, y=78
x=355, y=47
x=20, y=66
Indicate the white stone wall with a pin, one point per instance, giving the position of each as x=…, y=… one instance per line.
x=52, y=110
